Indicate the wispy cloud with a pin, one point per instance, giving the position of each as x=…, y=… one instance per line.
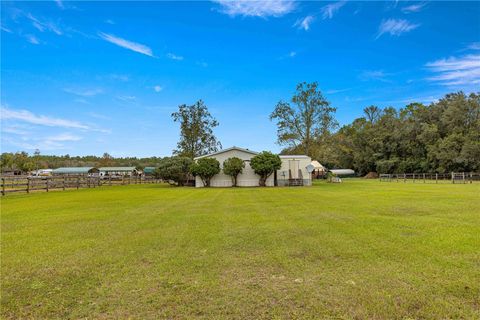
x=130, y=45
x=109, y=21
x=395, y=27
x=329, y=10
x=174, y=56
x=43, y=26
x=413, y=8
x=474, y=46
x=333, y=91
x=464, y=70
x=263, y=9
x=6, y=29
x=60, y=4
x=119, y=77
x=127, y=98
x=29, y=117
x=84, y=92
x=157, y=88
x=32, y=39
x=304, y=23
x=378, y=75
x=64, y=137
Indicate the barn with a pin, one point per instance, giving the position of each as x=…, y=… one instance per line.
x=292, y=172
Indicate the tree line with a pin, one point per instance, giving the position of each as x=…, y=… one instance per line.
x=441, y=137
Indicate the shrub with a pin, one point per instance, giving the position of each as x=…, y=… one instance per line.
x=205, y=168
x=264, y=164
x=233, y=167
x=174, y=170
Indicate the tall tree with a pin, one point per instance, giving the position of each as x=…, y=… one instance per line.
x=196, y=130
x=310, y=117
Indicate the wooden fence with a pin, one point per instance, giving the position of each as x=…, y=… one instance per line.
x=10, y=184
x=453, y=177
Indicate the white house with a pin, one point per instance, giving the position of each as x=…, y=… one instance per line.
x=292, y=172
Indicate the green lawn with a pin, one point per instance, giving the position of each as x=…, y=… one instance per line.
x=360, y=249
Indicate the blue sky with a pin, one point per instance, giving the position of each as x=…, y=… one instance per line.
x=92, y=77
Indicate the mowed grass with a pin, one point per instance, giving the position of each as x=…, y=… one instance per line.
x=360, y=249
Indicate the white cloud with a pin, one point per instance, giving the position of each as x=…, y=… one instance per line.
x=43, y=26
x=292, y=54
x=6, y=29
x=32, y=39
x=109, y=21
x=304, y=23
x=134, y=46
x=474, y=46
x=127, y=98
x=329, y=10
x=174, y=56
x=157, y=88
x=333, y=91
x=64, y=137
x=84, y=93
x=119, y=77
x=395, y=27
x=29, y=117
x=453, y=71
x=378, y=75
x=60, y=4
x=273, y=8
x=413, y=8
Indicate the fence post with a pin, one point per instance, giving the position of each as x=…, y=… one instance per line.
x=28, y=184
x=414, y=178
x=78, y=182
x=424, y=178
x=3, y=186
x=47, y=184
x=110, y=180
x=453, y=178
x=463, y=175
x=123, y=180
x=436, y=177
x=63, y=186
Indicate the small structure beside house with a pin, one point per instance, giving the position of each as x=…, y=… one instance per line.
x=343, y=172
x=75, y=171
x=149, y=171
x=319, y=171
x=292, y=172
x=42, y=172
x=118, y=171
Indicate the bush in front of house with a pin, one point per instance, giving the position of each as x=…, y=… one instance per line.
x=264, y=164
x=233, y=167
x=174, y=170
x=205, y=168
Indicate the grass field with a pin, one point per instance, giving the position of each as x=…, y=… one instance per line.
x=360, y=249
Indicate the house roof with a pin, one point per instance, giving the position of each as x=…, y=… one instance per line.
x=226, y=150
x=317, y=165
x=73, y=170
x=293, y=156
x=117, y=169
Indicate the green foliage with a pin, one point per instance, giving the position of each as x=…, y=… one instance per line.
x=264, y=164
x=233, y=167
x=441, y=137
x=196, y=130
x=205, y=168
x=308, y=121
x=174, y=170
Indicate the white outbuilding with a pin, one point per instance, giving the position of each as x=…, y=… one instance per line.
x=293, y=170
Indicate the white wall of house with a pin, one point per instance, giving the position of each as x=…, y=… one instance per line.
x=248, y=178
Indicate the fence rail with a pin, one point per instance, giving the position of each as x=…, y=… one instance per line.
x=11, y=184
x=453, y=177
